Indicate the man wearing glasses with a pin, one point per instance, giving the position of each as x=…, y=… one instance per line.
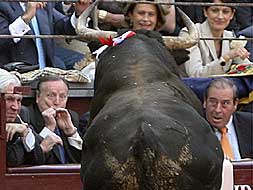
x=221, y=102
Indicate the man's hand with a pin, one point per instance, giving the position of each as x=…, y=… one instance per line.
x=48, y=143
x=49, y=118
x=31, y=8
x=81, y=5
x=12, y=128
x=64, y=122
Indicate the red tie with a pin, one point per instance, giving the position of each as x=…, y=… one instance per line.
x=225, y=143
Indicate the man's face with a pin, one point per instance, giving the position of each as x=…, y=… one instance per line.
x=13, y=103
x=53, y=94
x=219, y=105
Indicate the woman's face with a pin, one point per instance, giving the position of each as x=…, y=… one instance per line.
x=144, y=16
x=218, y=17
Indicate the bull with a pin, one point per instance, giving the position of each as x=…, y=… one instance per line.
x=146, y=127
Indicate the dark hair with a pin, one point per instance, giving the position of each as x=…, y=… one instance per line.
x=49, y=78
x=222, y=1
x=222, y=83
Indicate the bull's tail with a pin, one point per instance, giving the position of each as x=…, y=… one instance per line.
x=145, y=156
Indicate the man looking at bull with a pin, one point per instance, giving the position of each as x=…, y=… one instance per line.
x=221, y=102
x=49, y=116
x=24, y=146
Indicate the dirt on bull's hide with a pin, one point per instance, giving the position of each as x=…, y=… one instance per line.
x=145, y=132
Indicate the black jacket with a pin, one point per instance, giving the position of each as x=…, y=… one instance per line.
x=73, y=154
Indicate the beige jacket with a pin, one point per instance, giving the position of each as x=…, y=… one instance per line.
x=203, y=60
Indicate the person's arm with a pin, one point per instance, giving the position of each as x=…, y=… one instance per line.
x=116, y=20
x=64, y=122
x=170, y=23
x=198, y=65
x=21, y=25
x=196, y=68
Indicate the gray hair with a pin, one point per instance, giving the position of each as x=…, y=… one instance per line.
x=6, y=79
x=222, y=83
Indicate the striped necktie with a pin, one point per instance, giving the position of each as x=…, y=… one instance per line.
x=226, y=147
x=39, y=46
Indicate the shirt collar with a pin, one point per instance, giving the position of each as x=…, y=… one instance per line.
x=230, y=124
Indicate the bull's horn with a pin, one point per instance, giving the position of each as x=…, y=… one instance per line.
x=88, y=34
x=186, y=41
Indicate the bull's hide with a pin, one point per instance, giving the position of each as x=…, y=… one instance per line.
x=145, y=132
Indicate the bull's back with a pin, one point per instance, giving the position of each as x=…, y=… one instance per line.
x=144, y=140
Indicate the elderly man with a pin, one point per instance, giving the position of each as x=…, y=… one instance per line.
x=49, y=116
x=24, y=146
x=233, y=128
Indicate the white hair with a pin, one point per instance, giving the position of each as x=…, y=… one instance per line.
x=6, y=78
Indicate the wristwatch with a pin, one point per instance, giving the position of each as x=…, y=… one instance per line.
x=222, y=61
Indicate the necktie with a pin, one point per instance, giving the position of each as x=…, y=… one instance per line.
x=41, y=54
x=60, y=148
x=226, y=147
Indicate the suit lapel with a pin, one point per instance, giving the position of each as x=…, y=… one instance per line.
x=206, y=33
x=16, y=10
x=43, y=21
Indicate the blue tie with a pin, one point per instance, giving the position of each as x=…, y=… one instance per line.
x=41, y=54
x=61, y=148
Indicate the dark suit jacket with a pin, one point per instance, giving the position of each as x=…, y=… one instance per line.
x=50, y=22
x=16, y=154
x=73, y=154
x=243, y=122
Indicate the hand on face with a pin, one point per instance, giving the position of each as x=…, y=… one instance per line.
x=48, y=143
x=64, y=122
x=12, y=128
x=49, y=118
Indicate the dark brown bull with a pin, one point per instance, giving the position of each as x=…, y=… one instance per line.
x=146, y=131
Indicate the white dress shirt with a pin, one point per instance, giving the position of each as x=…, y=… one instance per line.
x=232, y=138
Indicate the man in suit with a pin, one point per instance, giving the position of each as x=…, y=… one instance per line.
x=221, y=102
x=19, y=18
x=24, y=146
x=49, y=116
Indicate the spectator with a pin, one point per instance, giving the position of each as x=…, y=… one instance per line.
x=17, y=18
x=24, y=146
x=221, y=103
x=49, y=116
x=119, y=17
x=212, y=57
